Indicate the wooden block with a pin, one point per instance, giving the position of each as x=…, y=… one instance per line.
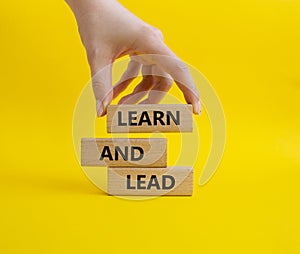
x=124, y=152
x=149, y=118
x=150, y=181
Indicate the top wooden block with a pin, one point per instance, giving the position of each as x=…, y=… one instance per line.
x=149, y=118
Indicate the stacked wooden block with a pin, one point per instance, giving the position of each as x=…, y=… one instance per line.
x=138, y=166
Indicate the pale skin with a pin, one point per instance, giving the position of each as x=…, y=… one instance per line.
x=109, y=31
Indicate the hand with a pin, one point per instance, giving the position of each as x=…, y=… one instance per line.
x=109, y=31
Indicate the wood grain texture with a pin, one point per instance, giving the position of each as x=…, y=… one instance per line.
x=154, y=152
x=124, y=181
x=149, y=118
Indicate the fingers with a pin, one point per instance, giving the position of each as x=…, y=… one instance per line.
x=155, y=83
x=141, y=89
x=163, y=83
x=130, y=74
x=101, y=69
x=182, y=77
x=162, y=56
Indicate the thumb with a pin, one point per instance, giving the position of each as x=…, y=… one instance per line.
x=101, y=70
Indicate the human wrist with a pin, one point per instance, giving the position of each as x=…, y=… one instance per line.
x=82, y=7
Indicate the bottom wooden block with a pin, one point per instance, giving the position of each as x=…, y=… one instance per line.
x=150, y=181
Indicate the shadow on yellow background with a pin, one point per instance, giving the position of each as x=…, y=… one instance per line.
x=250, y=52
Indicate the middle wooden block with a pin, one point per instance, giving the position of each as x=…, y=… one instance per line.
x=124, y=152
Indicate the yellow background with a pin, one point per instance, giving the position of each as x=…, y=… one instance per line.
x=248, y=49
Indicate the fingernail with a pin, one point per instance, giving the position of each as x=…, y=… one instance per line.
x=198, y=107
x=99, y=108
x=105, y=104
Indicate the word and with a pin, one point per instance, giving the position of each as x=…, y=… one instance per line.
x=135, y=153
x=124, y=152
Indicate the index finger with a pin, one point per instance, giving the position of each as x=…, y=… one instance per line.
x=170, y=63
